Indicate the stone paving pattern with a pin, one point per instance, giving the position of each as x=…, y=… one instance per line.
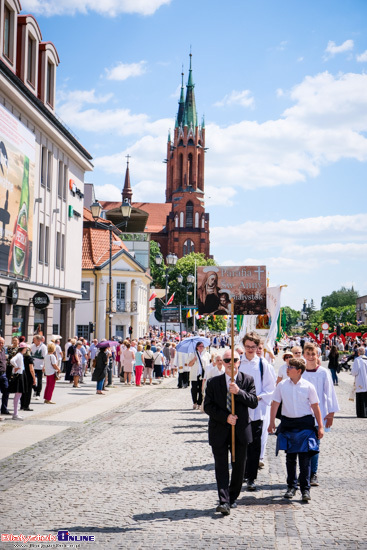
x=141, y=477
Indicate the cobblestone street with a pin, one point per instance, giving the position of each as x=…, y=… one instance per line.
x=141, y=476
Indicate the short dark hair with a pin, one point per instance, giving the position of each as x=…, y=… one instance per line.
x=298, y=363
x=253, y=337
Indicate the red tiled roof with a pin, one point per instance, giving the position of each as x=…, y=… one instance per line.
x=157, y=213
x=96, y=243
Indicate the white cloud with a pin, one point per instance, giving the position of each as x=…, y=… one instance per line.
x=286, y=233
x=110, y=8
x=332, y=49
x=219, y=197
x=123, y=71
x=244, y=98
x=362, y=58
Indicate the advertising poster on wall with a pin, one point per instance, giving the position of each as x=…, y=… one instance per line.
x=217, y=285
x=17, y=172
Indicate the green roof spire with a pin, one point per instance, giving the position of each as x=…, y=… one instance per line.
x=181, y=103
x=190, y=117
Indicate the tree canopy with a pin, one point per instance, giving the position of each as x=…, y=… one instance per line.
x=340, y=298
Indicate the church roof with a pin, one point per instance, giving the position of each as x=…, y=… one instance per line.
x=157, y=213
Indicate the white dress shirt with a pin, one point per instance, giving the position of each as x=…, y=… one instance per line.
x=359, y=370
x=264, y=387
x=282, y=372
x=324, y=386
x=297, y=398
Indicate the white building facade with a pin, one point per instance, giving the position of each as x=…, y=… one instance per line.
x=42, y=169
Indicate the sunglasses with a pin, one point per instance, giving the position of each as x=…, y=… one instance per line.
x=229, y=360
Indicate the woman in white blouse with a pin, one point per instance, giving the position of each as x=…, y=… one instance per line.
x=18, y=381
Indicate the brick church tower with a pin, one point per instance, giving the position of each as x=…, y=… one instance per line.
x=188, y=224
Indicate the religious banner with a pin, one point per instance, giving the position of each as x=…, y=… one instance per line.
x=273, y=303
x=217, y=285
x=17, y=157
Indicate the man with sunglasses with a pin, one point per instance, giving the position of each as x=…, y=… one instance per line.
x=217, y=405
x=259, y=369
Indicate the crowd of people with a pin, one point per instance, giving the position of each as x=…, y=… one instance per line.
x=301, y=393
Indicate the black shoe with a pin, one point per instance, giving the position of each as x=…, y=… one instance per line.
x=223, y=509
x=291, y=491
x=6, y=412
x=233, y=504
x=314, y=482
x=251, y=485
x=306, y=496
x=28, y=409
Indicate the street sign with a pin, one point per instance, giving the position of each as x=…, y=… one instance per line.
x=170, y=314
x=325, y=326
x=325, y=332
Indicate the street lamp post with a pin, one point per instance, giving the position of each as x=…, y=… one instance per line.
x=190, y=280
x=171, y=260
x=96, y=210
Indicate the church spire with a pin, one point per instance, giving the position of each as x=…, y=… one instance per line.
x=190, y=116
x=181, y=103
x=127, y=192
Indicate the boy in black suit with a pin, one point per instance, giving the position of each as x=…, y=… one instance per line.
x=217, y=406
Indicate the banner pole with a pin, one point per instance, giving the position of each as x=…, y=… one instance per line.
x=232, y=377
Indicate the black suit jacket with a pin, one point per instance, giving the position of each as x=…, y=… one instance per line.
x=215, y=405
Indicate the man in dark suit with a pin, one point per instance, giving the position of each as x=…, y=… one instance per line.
x=217, y=406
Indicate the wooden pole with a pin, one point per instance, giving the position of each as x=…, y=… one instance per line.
x=232, y=377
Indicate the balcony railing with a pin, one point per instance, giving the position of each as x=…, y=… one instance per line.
x=123, y=306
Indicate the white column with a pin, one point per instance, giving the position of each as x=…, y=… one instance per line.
x=135, y=315
x=102, y=308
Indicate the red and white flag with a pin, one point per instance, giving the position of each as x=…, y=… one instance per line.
x=154, y=295
x=171, y=299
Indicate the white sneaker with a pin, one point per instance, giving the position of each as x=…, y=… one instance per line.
x=37, y=398
x=17, y=417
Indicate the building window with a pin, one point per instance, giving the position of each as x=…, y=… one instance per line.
x=176, y=220
x=180, y=171
x=39, y=322
x=8, y=33
x=31, y=66
x=181, y=219
x=65, y=186
x=47, y=244
x=189, y=214
x=60, y=180
x=120, y=297
x=41, y=244
x=119, y=331
x=196, y=219
x=62, y=252
x=188, y=247
x=19, y=321
x=43, y=166
x=55, y=329
x=50, y=83
x=49, y=170
x=190, y=169
x=82, y=331
x=85, y=290
x=58, y=250
x=203, y=222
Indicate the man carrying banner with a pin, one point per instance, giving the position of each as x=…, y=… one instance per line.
x=259, y=369
x=217, y=405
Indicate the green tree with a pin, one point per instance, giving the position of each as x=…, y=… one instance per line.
x=185, y=266
x=214, y=325
x=291, y=317
x=340, y=298
x=157, y=272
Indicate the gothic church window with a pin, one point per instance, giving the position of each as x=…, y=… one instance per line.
x=196, y=219
x=189, y=214
x=188, y=247
x=190, y=169
x=181, y=219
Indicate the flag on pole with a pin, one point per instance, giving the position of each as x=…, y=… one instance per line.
x=154, y=295
x=189, y=314
x=171, y=299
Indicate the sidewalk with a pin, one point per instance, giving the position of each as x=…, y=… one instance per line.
x=73, y=406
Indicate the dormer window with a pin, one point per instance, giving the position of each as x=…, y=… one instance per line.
x=31, y=64
x=8, y=17
x=50, y=83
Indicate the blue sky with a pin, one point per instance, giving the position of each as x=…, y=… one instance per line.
x=283, y=87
